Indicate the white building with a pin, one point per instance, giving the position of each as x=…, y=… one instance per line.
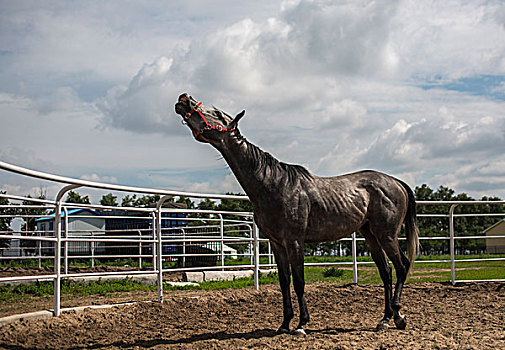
x=81, y=223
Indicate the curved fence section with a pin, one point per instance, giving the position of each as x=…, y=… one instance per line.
x=167, y=238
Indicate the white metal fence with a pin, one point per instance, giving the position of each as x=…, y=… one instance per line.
x=153, y=244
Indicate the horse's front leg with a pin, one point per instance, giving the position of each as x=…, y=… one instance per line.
x=281, y=259
x=295, y=254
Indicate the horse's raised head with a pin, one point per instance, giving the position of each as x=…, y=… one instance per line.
x=207, y=124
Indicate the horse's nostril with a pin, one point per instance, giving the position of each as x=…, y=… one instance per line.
x=183, y=99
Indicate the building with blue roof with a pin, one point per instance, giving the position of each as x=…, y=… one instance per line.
x=81, y=223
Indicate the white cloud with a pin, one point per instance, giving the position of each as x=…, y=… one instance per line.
x=345, y=113
x=480, y=178
x=231, y=185
x=216, y=184
x=336, y=86
x=144, y=105
x=332, y=69
x=98, y=178
x=450, y=39
x=281, y=61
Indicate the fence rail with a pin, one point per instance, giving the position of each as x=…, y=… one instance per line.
x=154, y=241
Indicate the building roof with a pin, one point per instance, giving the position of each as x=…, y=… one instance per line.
x=493, y=226
x=70, y=212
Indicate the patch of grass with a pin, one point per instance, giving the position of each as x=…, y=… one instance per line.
x=333, y=272
x=241, y=260
x=328, y=258
x=367, y=274
x=26, y=263
x=459, y=257
x=75, y=262
x=79, y=288
x=316, y=274
x=9, y=293
x=234, y=284
x=16, y=292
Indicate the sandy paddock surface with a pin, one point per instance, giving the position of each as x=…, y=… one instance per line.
x=441, y=316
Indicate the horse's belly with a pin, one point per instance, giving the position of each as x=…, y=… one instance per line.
x=332, y=229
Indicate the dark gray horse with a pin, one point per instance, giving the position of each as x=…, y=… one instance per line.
x=292, y=206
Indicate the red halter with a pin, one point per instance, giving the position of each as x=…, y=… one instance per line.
x=208, y=126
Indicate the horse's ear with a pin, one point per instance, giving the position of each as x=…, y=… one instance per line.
x=235, y=121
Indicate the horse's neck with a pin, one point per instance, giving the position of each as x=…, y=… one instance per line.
x=256, y=171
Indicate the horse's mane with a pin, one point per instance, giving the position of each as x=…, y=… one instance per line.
x=269, y=166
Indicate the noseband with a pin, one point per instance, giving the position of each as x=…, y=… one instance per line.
x=207, y=125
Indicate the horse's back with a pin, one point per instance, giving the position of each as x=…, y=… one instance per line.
x=387, y=196
x=342, y=204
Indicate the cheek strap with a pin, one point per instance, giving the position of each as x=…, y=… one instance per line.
x=198, y=110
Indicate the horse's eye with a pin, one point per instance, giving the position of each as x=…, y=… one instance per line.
x=221, y=118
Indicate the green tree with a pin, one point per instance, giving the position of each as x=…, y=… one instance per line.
x=463, y=226
x=147, y=200
x=4, y=222
x=234, y=204
x=186, y=201
x=109, y=200
x=207, y=204
x=238, y=205
x=74, y=197
x=144, y=201
x=30, y=216
x=128, y=201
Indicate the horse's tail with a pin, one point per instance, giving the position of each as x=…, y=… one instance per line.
x=411, y=229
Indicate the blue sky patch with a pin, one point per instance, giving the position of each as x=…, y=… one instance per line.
x=491, y=86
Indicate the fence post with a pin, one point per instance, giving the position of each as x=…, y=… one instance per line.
x=92, y=250
x=153, y=234
x=183, y=247
x=270, y=262
x=256, y=234
x=354, y=260
x=65, y=244
x=140, y=249
x=221, y=231
x=451, y=243
x=39, y=246
x=159, y=206
x=57, y=248
x=250, y=244
x=159, y=252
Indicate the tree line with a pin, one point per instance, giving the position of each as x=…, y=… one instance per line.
x=437, y=226
x=29, y=215
x=428, y=226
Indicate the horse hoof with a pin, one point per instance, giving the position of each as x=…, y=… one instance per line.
x=283, y=331
x=299, y=332
x=383, y=325
x=401, y=322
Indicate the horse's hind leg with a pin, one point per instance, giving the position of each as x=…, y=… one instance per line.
x=385, y=273
x=402, y=265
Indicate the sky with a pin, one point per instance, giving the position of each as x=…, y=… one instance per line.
x=415, y=89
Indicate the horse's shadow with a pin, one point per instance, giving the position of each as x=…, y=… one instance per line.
x=256, y=334
x=337, y=331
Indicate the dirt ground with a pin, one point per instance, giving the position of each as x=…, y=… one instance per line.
x=440, y=316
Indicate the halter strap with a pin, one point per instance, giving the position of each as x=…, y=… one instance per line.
x=208, y=126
